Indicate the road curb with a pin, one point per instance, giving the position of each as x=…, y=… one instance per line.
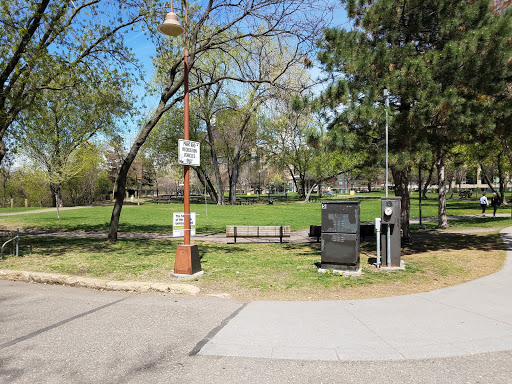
x=87, y=282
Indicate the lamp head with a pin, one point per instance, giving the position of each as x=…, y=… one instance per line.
x=171, y=26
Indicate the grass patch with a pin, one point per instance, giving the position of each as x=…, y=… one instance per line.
x=150, y=217
x=124, y=260
x=271, y=271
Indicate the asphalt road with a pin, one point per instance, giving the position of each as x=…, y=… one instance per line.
x=54, y=334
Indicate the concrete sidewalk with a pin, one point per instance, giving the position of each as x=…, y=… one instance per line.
x=474, y=317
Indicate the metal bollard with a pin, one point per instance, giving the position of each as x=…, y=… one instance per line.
x=377, y=228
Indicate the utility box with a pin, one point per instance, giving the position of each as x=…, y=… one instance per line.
x=390, y=220
x=340, y=235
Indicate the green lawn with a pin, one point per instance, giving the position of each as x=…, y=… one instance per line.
x=253, y=271
x=150, y=217
x=267, y=271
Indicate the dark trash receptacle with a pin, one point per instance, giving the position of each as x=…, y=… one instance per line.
x=340, y=235
x=367, y=230
x=315, y=231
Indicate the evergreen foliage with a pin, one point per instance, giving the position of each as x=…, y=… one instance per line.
x=443, y=62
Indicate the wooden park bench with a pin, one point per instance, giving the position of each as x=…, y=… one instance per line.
x=279, y=231
x=245, y=201
x=465, y=194
x=162, y=199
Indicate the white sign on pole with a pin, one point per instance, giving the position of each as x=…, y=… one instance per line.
x=178, y=224
x=189, y=152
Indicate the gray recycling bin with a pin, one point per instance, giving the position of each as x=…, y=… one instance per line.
x=340, y=235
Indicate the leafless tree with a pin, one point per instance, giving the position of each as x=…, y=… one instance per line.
x=220, y=25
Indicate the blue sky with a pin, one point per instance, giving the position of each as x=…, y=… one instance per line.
x=144, y=50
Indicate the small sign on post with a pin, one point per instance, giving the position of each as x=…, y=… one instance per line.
x=189, y=152
x=178, y=224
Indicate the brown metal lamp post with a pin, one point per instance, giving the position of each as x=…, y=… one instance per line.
x=187, y=255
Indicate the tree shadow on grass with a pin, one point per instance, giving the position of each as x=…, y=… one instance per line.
x=51, y=246
x=123, y=228
x=307, y=249
x=68, y=227
x=166, y=228
x=436, y=241
x=457, y=205
x=206, y=248
x=481, y=221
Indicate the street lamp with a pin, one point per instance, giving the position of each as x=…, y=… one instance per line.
x=386, y=95
x=187, y=255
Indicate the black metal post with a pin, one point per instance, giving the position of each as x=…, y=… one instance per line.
x=420, y=184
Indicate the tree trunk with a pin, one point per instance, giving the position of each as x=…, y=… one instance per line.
x=58, y=206
x=125, y=167
x=57, y=197
x=206, y=182
x=3, y=148
x=233, y=179
x=119, y=200
x=294, y=179
x=450, y=189
x=308, y=195
x=401, y=180
x=487, y=180
x=114, y=187
x=302, y=192
x=501, y=176
x=215, y=163
x=441, y=180
x=506, y=148
x=427, y=182
x=4, y=190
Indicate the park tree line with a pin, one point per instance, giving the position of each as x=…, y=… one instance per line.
x=87, y=175
x=67, y=74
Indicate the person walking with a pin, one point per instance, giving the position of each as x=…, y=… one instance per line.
x=483, y=203
x=495, y=202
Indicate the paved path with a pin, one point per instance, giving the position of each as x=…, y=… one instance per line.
x=54, y=334
x=469, y=318
x=43, y=210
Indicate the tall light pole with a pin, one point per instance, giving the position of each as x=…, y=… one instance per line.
x=388, y=232
x=386, y=95
x=187, y=255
